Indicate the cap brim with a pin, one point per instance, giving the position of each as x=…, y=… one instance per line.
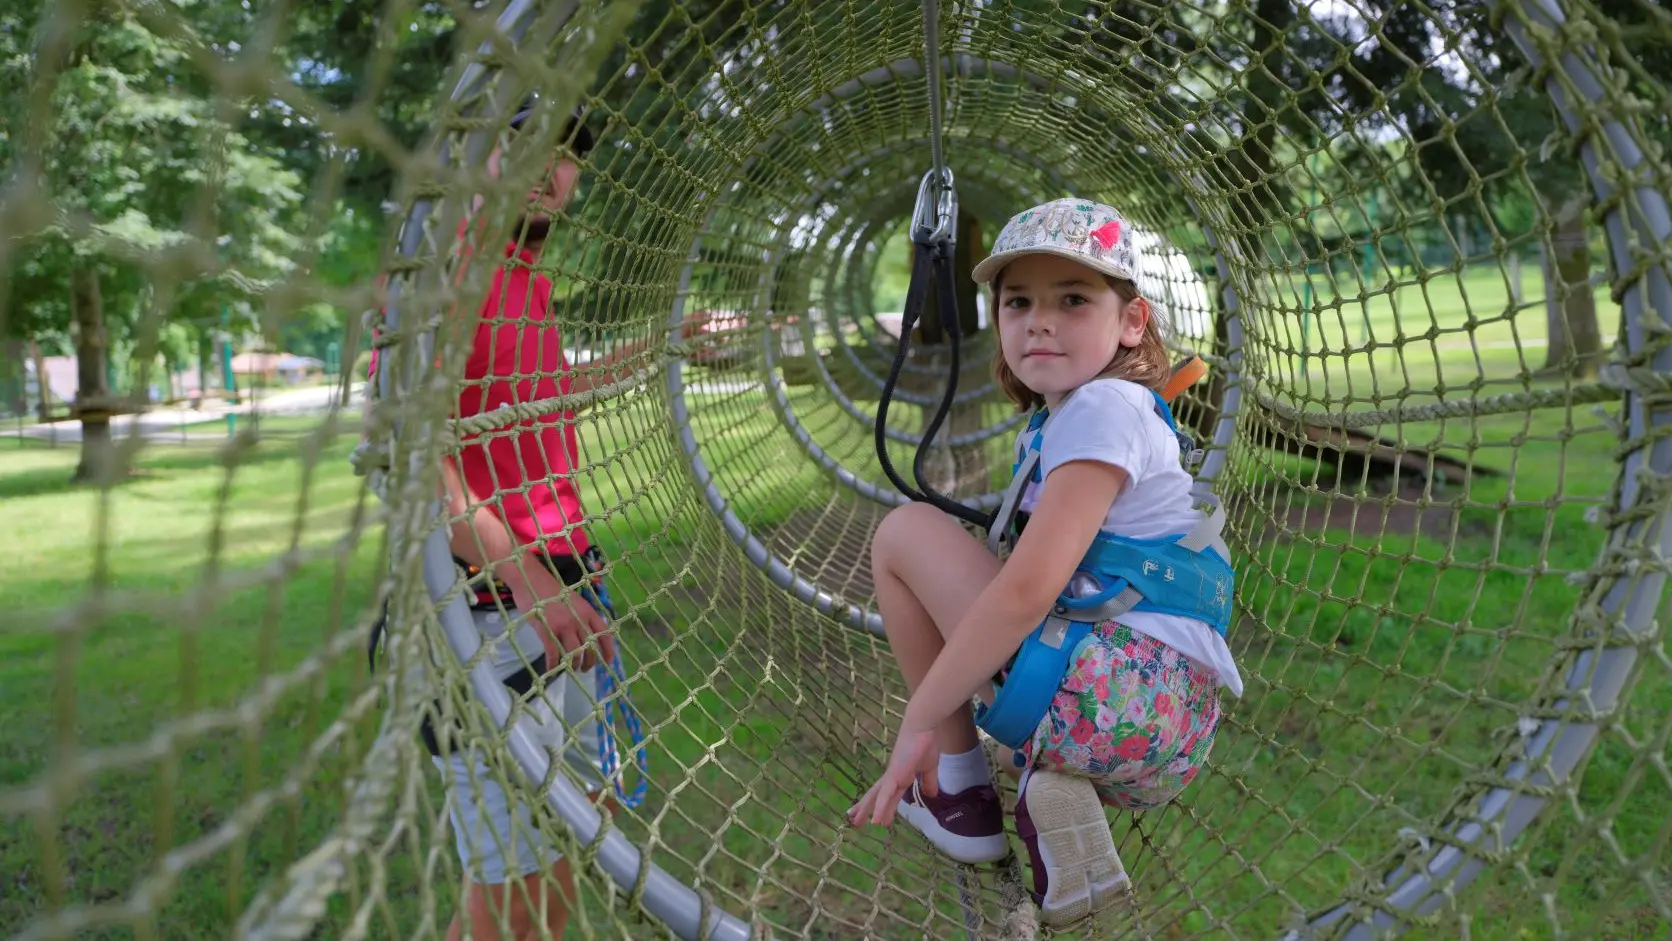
x=992, y=264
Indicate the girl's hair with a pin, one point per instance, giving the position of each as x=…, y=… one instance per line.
x=1148, y=364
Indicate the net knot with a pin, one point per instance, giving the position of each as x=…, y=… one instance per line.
x=368, y=458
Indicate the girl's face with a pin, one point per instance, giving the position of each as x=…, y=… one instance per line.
x=1061, y=323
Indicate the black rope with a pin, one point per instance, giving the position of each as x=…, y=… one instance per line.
x=933, y=260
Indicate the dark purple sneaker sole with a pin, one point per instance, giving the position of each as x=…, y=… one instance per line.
x=1076, y=870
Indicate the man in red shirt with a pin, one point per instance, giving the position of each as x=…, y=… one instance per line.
x=515, y=511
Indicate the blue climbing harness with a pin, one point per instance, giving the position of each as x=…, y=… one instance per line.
x=1188, y=575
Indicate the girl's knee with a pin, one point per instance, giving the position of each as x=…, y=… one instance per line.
x=900, y=529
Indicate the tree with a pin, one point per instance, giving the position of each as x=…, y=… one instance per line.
x=138, y=162
x=1477, y=130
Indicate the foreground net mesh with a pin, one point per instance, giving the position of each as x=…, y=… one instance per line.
x=1446, y=513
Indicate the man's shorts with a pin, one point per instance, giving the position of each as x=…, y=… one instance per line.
x=496, y=839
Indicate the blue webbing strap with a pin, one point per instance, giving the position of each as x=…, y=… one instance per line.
x=1033, y=681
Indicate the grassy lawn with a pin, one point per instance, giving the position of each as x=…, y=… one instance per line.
x=1383, y=664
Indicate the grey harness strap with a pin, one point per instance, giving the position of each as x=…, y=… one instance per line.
x=1012, y=498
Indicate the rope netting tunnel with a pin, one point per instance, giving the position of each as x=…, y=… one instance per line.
x=1446, y=521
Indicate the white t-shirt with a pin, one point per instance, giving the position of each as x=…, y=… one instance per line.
x=1114, y=421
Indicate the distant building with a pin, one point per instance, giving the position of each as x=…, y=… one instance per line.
x=276, y=369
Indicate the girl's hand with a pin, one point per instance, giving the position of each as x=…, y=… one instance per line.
x=915, y=756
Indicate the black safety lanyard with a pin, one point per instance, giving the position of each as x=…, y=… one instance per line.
x=932, y=234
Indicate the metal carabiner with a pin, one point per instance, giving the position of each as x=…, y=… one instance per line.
x=934, y=221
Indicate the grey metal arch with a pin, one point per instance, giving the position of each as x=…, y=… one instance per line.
x=754, y=550
x=857, y=238
x=844, y=260
x=962, y=65
x=855, y=261
x=885, y=496
x=852, y=408
x=866, y=162
x=965, y=66
x=670, y=901
x=1552, y=751
x=786, y=411
x=776, y=569
x=866, y=372
x=780, y=394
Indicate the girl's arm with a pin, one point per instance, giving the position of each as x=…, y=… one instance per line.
x=1072, y=506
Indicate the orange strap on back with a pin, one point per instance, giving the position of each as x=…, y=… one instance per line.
x=1186, y=374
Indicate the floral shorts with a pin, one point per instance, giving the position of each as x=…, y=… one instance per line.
x=1134, y=715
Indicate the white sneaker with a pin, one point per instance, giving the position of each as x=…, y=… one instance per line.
x=1076, y=870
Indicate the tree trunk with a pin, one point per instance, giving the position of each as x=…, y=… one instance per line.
x=93, y=392
x=970, y=462
x=45, y=389
x=1575, y=341
x=1512, y=266
x=17, y=378
x=203, y=350
x=1203, y=421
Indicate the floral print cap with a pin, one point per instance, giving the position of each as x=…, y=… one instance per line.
x=1080, y=230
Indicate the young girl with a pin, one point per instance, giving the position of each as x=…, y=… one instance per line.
x=1134, y=715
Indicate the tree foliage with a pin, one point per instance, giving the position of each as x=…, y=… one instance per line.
x=136, y=162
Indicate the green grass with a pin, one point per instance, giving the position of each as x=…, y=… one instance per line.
x=1395, y=663
x=1380, y=666
x=1337, y=342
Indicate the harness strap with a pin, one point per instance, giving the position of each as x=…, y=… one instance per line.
x=1209, y=531
x=1012, y=499
x=1124, y=601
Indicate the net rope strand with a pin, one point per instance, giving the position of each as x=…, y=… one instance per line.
x=1449, y=528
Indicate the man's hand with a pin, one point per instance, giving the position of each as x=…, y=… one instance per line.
x=563, y=619
x=704, y=325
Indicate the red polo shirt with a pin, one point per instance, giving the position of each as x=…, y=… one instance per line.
x=517, y=356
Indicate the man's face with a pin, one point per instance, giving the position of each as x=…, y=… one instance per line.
x=549, y=195
x=553, y=192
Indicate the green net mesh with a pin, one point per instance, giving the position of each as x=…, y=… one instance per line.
x=1422, y=247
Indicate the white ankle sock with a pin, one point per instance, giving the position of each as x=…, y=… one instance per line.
x=959, y=773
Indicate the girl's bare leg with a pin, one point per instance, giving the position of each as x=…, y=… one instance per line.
x=928, y=571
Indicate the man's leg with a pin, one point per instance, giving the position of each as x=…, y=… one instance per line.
x=535, y=906
x=503, y=855
x=534, y=900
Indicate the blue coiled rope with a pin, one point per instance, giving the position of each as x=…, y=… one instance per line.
x=610, y=677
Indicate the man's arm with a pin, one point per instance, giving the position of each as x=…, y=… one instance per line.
x=477, y=535
x=614, y=366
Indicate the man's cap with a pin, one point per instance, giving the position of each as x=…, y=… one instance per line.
x=1080, y=230
x=576, y=134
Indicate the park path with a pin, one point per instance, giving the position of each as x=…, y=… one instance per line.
x=182, y=425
